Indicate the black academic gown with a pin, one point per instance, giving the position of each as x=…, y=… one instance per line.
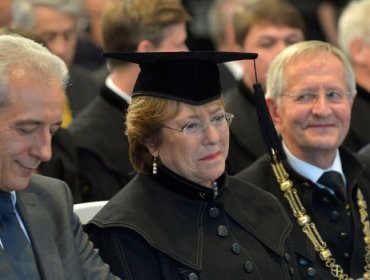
x=102, y=147
x=81, y=90
x=342, y=233
x=63, y=164
x=246, y=142
x=227, y=79
x=359, y=133
x=165, y=227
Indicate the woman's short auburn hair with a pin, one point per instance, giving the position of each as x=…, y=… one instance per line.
x=144, y=120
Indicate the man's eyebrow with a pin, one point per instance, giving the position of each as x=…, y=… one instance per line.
x=28, y=122
x=33, y=122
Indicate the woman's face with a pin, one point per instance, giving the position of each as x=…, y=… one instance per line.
x=199, y=158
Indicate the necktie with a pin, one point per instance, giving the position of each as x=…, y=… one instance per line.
x=15, y=243
x=334, y=181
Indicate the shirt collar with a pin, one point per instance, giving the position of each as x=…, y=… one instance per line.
x=112, y=86
x=235, y=68
x=310, y=171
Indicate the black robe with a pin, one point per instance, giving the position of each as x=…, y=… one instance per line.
x=342, y=233
x=81, y=90
x=102, y=147
x=359, y=133
x=246, y=142
x=227, y=79
x=63, y=165
x=165, y=227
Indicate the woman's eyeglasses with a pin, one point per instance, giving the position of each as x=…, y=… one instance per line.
x=197, y=128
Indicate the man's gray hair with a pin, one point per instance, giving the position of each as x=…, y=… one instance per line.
x=22, y=12
x=354, y=23
x=19, y=53
x=276, y=80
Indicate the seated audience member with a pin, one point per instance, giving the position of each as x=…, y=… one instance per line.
x=102, y=148
x=56, y=23
x=41, y=237
x=323, y=186
x=265, y=27
x=320, y=17
x=63, y=163
x=353, y=38
x=182, y=216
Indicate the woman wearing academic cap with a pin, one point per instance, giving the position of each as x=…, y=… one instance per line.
x=182, y=216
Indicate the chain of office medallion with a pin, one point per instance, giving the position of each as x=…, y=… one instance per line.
x=309, y=228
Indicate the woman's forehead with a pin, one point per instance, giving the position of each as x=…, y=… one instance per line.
x=191, y=110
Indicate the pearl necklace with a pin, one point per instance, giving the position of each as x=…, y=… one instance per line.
x=215, y=189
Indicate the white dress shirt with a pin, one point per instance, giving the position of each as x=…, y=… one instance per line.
x=313, y=172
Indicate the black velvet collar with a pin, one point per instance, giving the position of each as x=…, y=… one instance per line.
x=362, y=92
x=187, y=188
x=113, y=98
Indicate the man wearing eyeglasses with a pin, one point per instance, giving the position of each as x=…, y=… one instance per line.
x=323, y=187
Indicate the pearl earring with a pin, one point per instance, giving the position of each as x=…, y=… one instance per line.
x=155, y=166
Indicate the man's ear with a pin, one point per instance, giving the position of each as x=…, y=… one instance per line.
x=359, y=51
x=145, y=46
x=273, y=109
x=274, y=112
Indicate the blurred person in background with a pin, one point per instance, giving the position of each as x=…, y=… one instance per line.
x=321, y=18
x=354, y=40
x=221, y=29
x=265, y=27
x=128, y=25
x=90, y=40
x=198, y=29
x=55, y=22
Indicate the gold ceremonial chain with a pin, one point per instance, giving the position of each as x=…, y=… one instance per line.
x=309, y=228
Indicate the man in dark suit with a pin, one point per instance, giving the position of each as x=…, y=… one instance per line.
x=323, y=186
x=55, y=22
x=264, y=27
x=353, y=38
x=41, y=237
x=98, y=131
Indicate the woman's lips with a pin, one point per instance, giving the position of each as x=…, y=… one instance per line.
x=211, y=156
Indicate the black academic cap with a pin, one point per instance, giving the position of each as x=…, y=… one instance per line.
x=190, y=77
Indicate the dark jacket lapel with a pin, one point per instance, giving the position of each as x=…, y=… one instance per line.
x=36, y=221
